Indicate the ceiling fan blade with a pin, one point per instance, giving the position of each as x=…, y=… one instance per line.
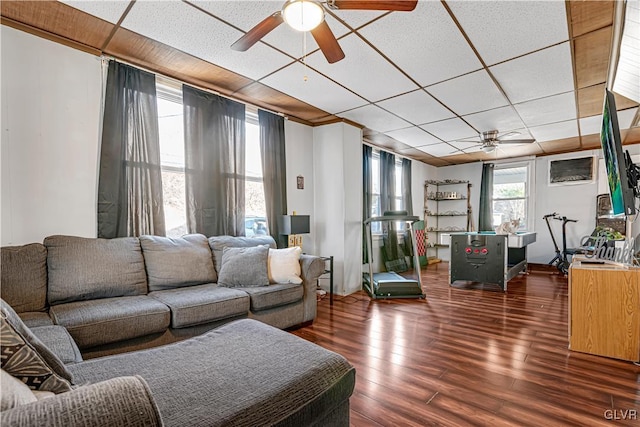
x=516, y=141
x=400, y=5
x=258, y=32
x=327, y=42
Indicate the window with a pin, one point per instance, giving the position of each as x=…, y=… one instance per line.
x=511, y=190
x=171, y=129
x=375, y=196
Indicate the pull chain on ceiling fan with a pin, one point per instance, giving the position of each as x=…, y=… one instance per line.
x=308, y=15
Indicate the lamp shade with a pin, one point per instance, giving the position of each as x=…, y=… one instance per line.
x=303, y=15
x=294, y=224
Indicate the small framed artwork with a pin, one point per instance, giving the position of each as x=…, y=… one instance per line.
x=572, y=171
x=300, y=182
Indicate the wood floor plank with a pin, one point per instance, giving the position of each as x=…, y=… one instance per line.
x=472, y=355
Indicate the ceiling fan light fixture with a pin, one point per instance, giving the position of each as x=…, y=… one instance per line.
x=488, y=148
x=303, y=15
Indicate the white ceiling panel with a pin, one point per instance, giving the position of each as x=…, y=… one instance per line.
x=317, y=90
x=246, y=14
x=625, y=117
x=109, y=10
x=358, y=18
x=168, y=23
x=375, y=118
x=450, y=130
x=439, y=150
x=501, y=119
x=380, y=80
x=467, y=147
x=469, y=93
x=543, y=73
x=553, y=131
x=501, y=30
x=556, y=108
x=413, y=136
x=425, y=43
x=590, y=125
x=417, y=107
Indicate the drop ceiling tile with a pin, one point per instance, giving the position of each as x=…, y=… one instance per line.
x=246, y=14
x=413, y=136
x=517, y=26
x=439, y=150
x=417, y=107
x=543, y=73
x=503, y=119
x=553, y=131
x=556, y=108
x=109, y=10
x=375, y=118
x=467, y=147
x=425, y=43
x=591, y=125
x=450, y=130
x=358, y=18
x=469, y=93
x=363, y=71
x=317, y=90
x=182, y=26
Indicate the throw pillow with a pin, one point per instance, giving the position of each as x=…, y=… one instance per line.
x=14, y=392
x=25, y=357
x=244, y=267
x=284, y=265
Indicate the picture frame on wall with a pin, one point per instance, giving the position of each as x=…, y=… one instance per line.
x=581, y=170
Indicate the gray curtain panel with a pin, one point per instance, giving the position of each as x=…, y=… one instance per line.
x=407, y=201
x=367, y=195
x=130, y=179
x=274, y=171
x=214, y=137
x=387, y=182
x=485, y=219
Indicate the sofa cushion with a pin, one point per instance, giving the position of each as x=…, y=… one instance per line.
x=24, y=277
x=284, y=265
x=274, y=295
x=35, y=318
x=58, y=340
x=25, y=357
x=202, y=304
x=85, y=269
x=107, y=320
x=218, y=243
x=251, y=373
x=13, y=392
x=175, y=262
x=244, y=267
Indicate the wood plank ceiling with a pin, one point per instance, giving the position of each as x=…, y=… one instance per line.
x=590, y=26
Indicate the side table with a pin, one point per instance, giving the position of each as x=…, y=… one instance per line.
x=329, y=271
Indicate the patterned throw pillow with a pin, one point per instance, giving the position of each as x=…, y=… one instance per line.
x=26, y=358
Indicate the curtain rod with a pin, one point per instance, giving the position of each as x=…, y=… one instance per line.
x=251, y=107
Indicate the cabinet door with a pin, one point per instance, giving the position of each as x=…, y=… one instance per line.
x=605, y=312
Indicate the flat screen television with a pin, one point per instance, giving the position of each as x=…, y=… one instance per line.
x=622, y=197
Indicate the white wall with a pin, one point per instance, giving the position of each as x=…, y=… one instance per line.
x=420, y=172
x=50, y=128
x=299, y=149
x=337, y=156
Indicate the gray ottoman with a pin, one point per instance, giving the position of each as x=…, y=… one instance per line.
x=244, y=373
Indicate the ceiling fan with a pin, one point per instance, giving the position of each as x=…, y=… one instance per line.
x=308, y=15
x=491, y=139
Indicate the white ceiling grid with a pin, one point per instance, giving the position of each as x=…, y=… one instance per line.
x=411, y=75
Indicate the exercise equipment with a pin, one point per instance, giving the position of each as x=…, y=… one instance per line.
x=561, y=259
x=391, y=284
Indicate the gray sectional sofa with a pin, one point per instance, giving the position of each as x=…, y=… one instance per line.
x=145, y=332
x=124, y=294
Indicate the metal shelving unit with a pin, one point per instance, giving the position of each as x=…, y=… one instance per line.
x=438, y=221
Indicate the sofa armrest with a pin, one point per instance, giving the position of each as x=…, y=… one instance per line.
x=115, y=402
x=59, y=341
x=311, y=268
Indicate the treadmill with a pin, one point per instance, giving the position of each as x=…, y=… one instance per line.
x=391, y=284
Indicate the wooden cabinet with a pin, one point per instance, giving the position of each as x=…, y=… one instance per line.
x=604, y=310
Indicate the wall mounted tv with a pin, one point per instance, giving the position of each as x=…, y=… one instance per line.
x=622, y=197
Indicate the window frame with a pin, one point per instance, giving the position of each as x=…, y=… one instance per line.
x=529, y=196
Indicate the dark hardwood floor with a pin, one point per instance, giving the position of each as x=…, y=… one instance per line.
x=472, y=355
